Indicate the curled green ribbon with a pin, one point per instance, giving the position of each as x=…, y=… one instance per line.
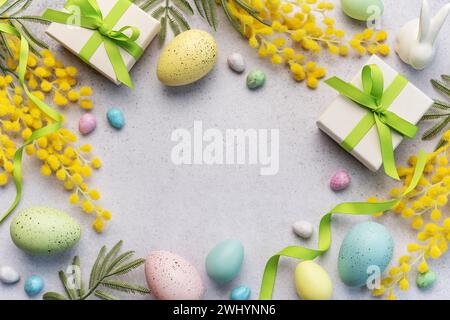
x=89, y=16
x=53, y=127
x=377, y=101
x=353, y=208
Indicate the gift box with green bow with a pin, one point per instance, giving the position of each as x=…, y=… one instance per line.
x=110, y=35
x=373, y=113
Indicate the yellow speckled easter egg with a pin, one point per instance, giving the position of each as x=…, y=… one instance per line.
x=187, y=58
x=312, y=281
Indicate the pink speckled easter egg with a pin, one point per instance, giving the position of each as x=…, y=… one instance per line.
x=340, y=180
x=87, y=123
x=171, y=277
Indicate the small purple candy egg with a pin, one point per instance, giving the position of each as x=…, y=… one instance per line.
x=87, y=123
x=340, y=180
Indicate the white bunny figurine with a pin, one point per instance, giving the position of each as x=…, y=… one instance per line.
x=416, y=42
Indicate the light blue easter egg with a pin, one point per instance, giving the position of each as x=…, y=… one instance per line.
x=115, y=118
x=224, y=261
x=367, y=248
x=363, y=10
x=240, y=293
x=33, y=285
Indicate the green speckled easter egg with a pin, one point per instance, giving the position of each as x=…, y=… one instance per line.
x=362, y=10
x=44, y=231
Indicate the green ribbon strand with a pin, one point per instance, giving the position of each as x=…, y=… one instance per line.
x=90, y=17
x=53, y=127
x=352, y=208
x=377, y=101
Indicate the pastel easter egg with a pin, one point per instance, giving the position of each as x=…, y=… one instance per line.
x=33, y=285
x=256, y=79
x=340, y=180
x=8, y=275
x=115, y=118
x=240, y=293
x=87, y=123
x=44, y=231
x=367, y=248
x=303, y=229
x=171, y=277
x=312, y=281
x=224, y=261
x=426, y=280
x=363, y=10
x=187, y=58
x=236, y=62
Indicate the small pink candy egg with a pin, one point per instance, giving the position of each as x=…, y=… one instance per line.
x=87, y=123
x=340, y=180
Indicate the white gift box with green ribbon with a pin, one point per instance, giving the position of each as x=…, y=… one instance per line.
x=343, y=115
x=116, y=14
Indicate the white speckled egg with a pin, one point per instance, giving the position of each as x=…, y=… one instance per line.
x=187, y=58
x=44, y=231
x=366, y=246
x=171, y=277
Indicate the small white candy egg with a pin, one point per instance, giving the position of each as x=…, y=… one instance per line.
x=303, y=229
x=236, y=62
x=8, y=275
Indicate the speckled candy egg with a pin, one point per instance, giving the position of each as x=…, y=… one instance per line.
x=33, y=285
x=171, y=277
x=362, y=10
x=44, y=231
x=187, y=58
x=224, y=261
x=87, y=123
x=366, y=245
x=340, y=180
x=312, y=281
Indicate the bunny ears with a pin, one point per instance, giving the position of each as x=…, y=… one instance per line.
x=429, y=27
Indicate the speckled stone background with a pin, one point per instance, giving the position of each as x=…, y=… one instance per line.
x=188, y=209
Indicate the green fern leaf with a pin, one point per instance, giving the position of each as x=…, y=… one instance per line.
x=149, y=4
x=440, y=105
x=104, y=295
x=445, y=77
x=163, y=31
x=69, y=291
x=235, y=24
x=157, y=14
x=123, y=269
x=174, y=26
x=119, y=260
x=95, y=267
x=79, y=277
x=106, y=262
x=198, y=6
x=441, y=87
x=53, y=296
x=440, y=144
x=434, y=115
x=436, y=129
x=178, y=17
x=125, y=287
x=184, y=6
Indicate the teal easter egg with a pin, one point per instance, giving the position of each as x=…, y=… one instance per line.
x=33, y=285
x=363, y=10
x=366, y=248
x=240, y=293
x=115, y=118
x=44, y=231
x=224, y=261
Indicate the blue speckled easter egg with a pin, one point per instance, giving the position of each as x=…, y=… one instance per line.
x=115, y=118
x=240, y=293
x=224, y=261
x=366, y=245
x=33, y=285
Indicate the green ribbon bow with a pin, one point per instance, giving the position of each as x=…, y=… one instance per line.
x=353, y=208
x=377, y=102
x=52, y=127
x=89, y=16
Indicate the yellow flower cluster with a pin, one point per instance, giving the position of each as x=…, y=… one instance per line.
x=423, y=208
x=294, y=32
x=19, y=117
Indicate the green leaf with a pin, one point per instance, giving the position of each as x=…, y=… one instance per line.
x=123, y=269
x=184, y=6
x=436, y=129
x=53, y=296
x=78, y=276
x=149, y=4
x=95, y=267
x=441, y=87
x=178, y=17
x=70, y=292
x=32, y=37
x=163, y=32
x=104, y=295
x=235, y=24
x=440, y=144
x=445, y=77
x=434, y=115
x=440, y=105
x=119, y=260
x=158, y=13
x=198, y=5
x=246, y=6
x=174, y=26
x=35, y=19
x=109, y=256
x=125, y=287
x=213, y=13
